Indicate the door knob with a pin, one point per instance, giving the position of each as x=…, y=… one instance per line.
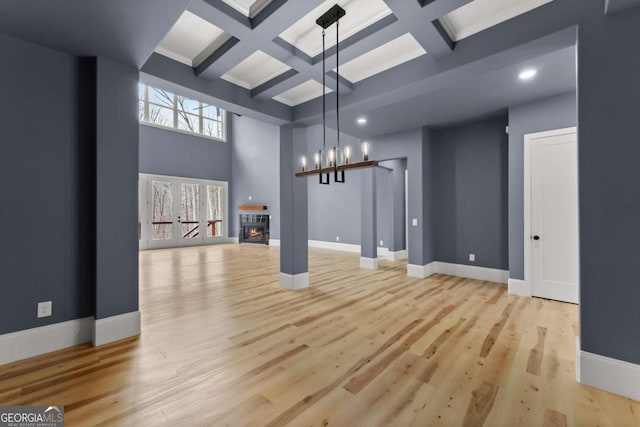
x=536, y=237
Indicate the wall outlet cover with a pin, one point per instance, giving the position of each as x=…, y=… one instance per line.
x=472, y=257
x=337, y=238
x=414, y=222
x=44, y=309
x=381, y=243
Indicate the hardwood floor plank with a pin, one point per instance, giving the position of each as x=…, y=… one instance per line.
x=222, y=344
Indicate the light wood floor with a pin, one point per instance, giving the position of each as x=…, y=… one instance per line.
x=223, y=345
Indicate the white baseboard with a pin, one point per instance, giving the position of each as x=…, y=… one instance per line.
x=274, y=242
x=578, y=359
x=472, y=272
x=115, y=328
x=44, y=339
x=420, y=271
x=294, y=282
x=519, y=287
x=612, y=375
x=336, y=246
x=383, y=252
x=397, y=255
x=369, y=263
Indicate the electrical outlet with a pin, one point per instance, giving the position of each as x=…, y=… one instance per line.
x=337, y=238
x=381, y=243
x=414, y=222
x=472, y=257
x=249, y=197
x=44, y=309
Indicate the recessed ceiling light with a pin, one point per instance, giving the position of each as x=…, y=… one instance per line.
x=362, y=120
x=527, y=74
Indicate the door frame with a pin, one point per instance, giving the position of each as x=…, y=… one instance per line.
x=528, y=145
x=144, y=181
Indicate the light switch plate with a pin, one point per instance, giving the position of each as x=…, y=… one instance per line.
x=414, y=222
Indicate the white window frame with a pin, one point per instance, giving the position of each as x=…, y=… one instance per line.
x=145, y=241
x=201, y=118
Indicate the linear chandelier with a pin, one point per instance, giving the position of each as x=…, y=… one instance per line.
x=337, y=159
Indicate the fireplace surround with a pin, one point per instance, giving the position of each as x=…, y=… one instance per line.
x=254, y=229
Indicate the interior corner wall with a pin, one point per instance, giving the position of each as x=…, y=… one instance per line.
x=255, y=166
x=547, y=114
x=46, y=182
x=608, y=153
x=116, y=189
x=469, y=175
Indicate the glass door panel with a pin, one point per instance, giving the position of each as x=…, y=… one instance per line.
x=215, y=206
x=162, y=224
x=189, y=211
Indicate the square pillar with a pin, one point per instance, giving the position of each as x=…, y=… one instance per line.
x=368, y=223
x=294, y=251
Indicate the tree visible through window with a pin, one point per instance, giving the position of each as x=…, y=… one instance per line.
x=162, y=108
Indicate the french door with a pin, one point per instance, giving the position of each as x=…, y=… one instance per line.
x=181, y=211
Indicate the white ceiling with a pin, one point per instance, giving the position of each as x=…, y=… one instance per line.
x=306, y=35
x=389, y=55
x=249, y=8
x=255, y=70
x=302, y=93
x=191, y=40
x=479, y=15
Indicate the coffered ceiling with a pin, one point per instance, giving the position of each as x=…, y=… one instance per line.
x=262, y=57
x=273, y=48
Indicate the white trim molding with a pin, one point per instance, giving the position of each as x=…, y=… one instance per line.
x=613, y=375
x=519, y=287
x=116, y=328
x=294, y=282
x=420, y=271
x=471, y=272
x=345, y=247
x=369, y=263
x=397, y=255
x=44, y=339
x=274, y=242
x=383, y=252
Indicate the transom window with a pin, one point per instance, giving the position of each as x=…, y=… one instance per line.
x=159, y=107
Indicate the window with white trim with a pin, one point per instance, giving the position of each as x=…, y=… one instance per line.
x=158, y=107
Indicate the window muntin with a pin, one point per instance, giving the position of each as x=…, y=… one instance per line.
x=159, y=107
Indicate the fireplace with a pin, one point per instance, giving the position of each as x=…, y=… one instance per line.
x=254, y=229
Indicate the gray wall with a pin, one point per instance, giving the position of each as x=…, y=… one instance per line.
x=415, y=146
x=44, y=214
x=608, y=153
x=383, y=206
x=255, y=160
x=116, y=189
x=334, y=210
x=547, y=114
x=165, y=152
x=469, y=172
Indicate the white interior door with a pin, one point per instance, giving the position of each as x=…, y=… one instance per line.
x=552, y=231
